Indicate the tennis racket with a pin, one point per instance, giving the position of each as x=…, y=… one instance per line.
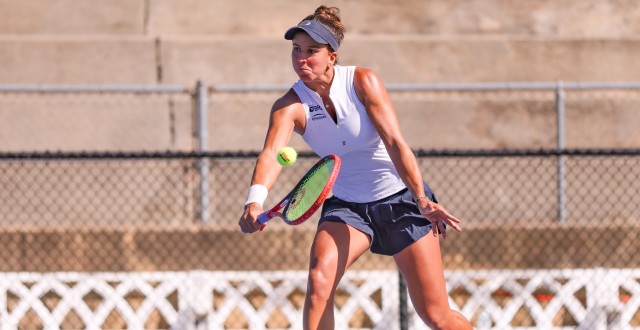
x=308, y=195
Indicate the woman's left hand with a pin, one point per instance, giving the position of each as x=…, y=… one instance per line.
x=438, y=216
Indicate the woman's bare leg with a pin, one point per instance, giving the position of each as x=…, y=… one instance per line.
x=335, y=247
x=421, y=267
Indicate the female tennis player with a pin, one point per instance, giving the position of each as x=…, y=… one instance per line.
x=380, y=201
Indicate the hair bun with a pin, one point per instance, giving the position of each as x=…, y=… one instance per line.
x=332, y=13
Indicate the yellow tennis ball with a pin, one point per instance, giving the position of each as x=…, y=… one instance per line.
x=287, y=156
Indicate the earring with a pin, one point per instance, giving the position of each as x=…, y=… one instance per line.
x=329, y=66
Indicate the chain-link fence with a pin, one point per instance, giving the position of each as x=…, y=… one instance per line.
x=117, y=238
x=142, y=212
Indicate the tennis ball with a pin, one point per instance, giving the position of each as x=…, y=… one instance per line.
x=287, y=156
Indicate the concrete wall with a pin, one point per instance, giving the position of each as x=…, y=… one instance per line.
x=546, y=18
x=178, y=42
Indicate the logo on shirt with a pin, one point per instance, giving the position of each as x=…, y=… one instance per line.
x=317, y=115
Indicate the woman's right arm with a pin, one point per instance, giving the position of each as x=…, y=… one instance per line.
x=287, y=115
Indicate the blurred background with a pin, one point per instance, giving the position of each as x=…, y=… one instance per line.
x=129, y=131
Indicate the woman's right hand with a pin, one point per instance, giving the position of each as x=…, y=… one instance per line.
x=249, y=220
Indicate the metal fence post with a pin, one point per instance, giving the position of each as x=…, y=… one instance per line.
x=562, y=212
x=202, y=105
x=404, y=312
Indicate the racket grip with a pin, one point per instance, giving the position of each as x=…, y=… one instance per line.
x=263, y=218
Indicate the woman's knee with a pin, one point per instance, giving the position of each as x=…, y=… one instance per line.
x=321, y=283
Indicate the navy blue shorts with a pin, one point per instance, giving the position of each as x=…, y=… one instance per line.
x=392, y=223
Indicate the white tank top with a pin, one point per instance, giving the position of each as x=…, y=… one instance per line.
x=367, y=173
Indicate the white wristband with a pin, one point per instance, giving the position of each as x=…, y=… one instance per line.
x=257, y=194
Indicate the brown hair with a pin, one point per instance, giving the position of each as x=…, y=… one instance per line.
x=329, y=17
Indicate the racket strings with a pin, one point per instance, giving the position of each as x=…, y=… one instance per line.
x=308, y=191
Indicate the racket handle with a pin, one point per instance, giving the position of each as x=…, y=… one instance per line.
x=263, y=218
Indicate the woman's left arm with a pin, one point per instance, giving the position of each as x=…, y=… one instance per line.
x=374, y=96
